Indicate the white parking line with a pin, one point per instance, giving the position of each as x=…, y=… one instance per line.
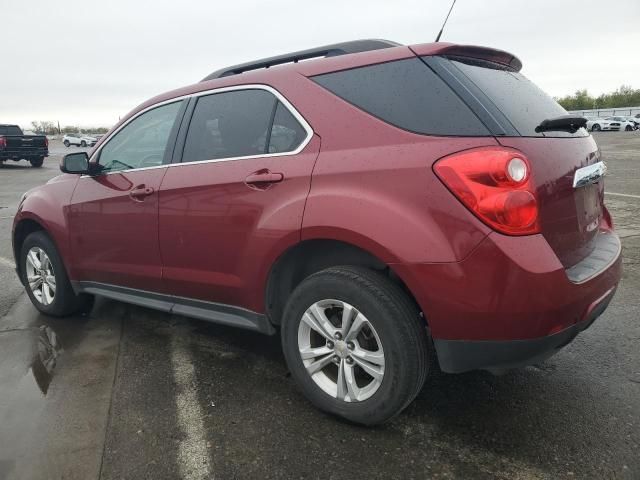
x=193, y=455
x=7, y=263
x=621, y=195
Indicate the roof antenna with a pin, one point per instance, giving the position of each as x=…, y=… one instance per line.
x=445, y=22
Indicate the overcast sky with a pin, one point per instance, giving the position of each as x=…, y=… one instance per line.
x=86, y=63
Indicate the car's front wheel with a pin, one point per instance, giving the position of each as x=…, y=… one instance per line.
x=628, y=128
x=355, y=344
x=46, y=280
x=83, y=143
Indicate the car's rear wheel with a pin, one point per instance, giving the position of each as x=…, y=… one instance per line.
x=595, y=128
x=355, y=344
x=37, y=162
x=66, y=143
x=46, y=280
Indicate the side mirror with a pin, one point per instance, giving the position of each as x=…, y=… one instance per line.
x=75, y=163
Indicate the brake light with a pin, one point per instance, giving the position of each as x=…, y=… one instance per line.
x=495, y=184
x=3, y=142
x=46, y=142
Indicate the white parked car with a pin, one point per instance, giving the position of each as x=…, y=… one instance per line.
x=79, y=140
x=621, y=123
x=597, y=124
x=635, y=120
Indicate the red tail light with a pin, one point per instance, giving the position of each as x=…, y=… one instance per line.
x=3, y=142
x=46, y=142
x=495, y=184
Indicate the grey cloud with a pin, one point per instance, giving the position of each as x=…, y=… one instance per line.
x=87, y=63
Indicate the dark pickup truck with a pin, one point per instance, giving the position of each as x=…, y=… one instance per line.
x=14, y=145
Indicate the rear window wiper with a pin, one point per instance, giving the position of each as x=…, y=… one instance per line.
x=567, y=123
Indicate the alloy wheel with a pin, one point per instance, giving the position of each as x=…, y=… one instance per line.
x=341, y=350
x=40, y=276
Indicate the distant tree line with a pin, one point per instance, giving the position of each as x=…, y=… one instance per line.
x=625, y=96
x=50, y=128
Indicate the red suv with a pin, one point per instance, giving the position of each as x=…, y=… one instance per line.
x=389, y=209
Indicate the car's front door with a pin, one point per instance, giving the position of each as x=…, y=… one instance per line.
x=237, y=197
x=113, y=215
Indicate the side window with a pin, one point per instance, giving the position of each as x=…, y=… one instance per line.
x=143, y=142
x=241, y=123
x=286, y=134
x=229, y=124
x=407, y=94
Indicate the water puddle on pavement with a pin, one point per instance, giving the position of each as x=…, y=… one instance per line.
x=45, y=361
x=56, y=376
x=27, y=367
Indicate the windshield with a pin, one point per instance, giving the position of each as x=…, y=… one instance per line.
x=520, y=100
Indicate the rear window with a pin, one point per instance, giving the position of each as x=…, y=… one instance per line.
x=10, y=130
x=520, y=100
x=407, y=94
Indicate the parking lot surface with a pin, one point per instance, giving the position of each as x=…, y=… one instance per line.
x=126, y=392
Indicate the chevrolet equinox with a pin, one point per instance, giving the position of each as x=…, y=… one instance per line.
x=390, y=210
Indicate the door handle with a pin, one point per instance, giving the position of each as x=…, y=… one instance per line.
x=263, y=177
x=140, y=192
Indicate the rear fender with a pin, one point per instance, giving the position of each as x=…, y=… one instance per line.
x=387, y=200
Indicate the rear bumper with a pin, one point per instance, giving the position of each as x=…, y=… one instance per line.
x=510, y=302
x=23, y=154
x=456, y=356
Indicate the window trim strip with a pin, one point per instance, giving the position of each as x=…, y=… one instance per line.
x=257, y=86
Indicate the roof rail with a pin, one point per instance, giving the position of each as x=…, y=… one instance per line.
x=336, y=49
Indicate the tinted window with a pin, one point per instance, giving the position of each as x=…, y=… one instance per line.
x=519, y=99
x=407, y=94
x=286, y=134
x=10, y=130
x=229, y=124
x=143, y=142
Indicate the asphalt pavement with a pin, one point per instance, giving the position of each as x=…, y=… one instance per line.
x=126, y=392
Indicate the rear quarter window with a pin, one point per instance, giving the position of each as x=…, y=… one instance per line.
x=406, y=94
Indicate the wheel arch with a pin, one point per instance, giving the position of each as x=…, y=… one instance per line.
x=313, y=255
x=29, y=223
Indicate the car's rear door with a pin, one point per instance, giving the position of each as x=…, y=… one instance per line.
x=237, y=197
x=113, y=215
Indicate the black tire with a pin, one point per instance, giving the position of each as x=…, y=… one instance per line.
x=37, y=162
x=628, y=128
x=397, y=322
x=65, y=301
x=66, y=143
x=595, y=127
x=83, y=143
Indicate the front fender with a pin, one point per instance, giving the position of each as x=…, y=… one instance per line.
x=47, y=206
